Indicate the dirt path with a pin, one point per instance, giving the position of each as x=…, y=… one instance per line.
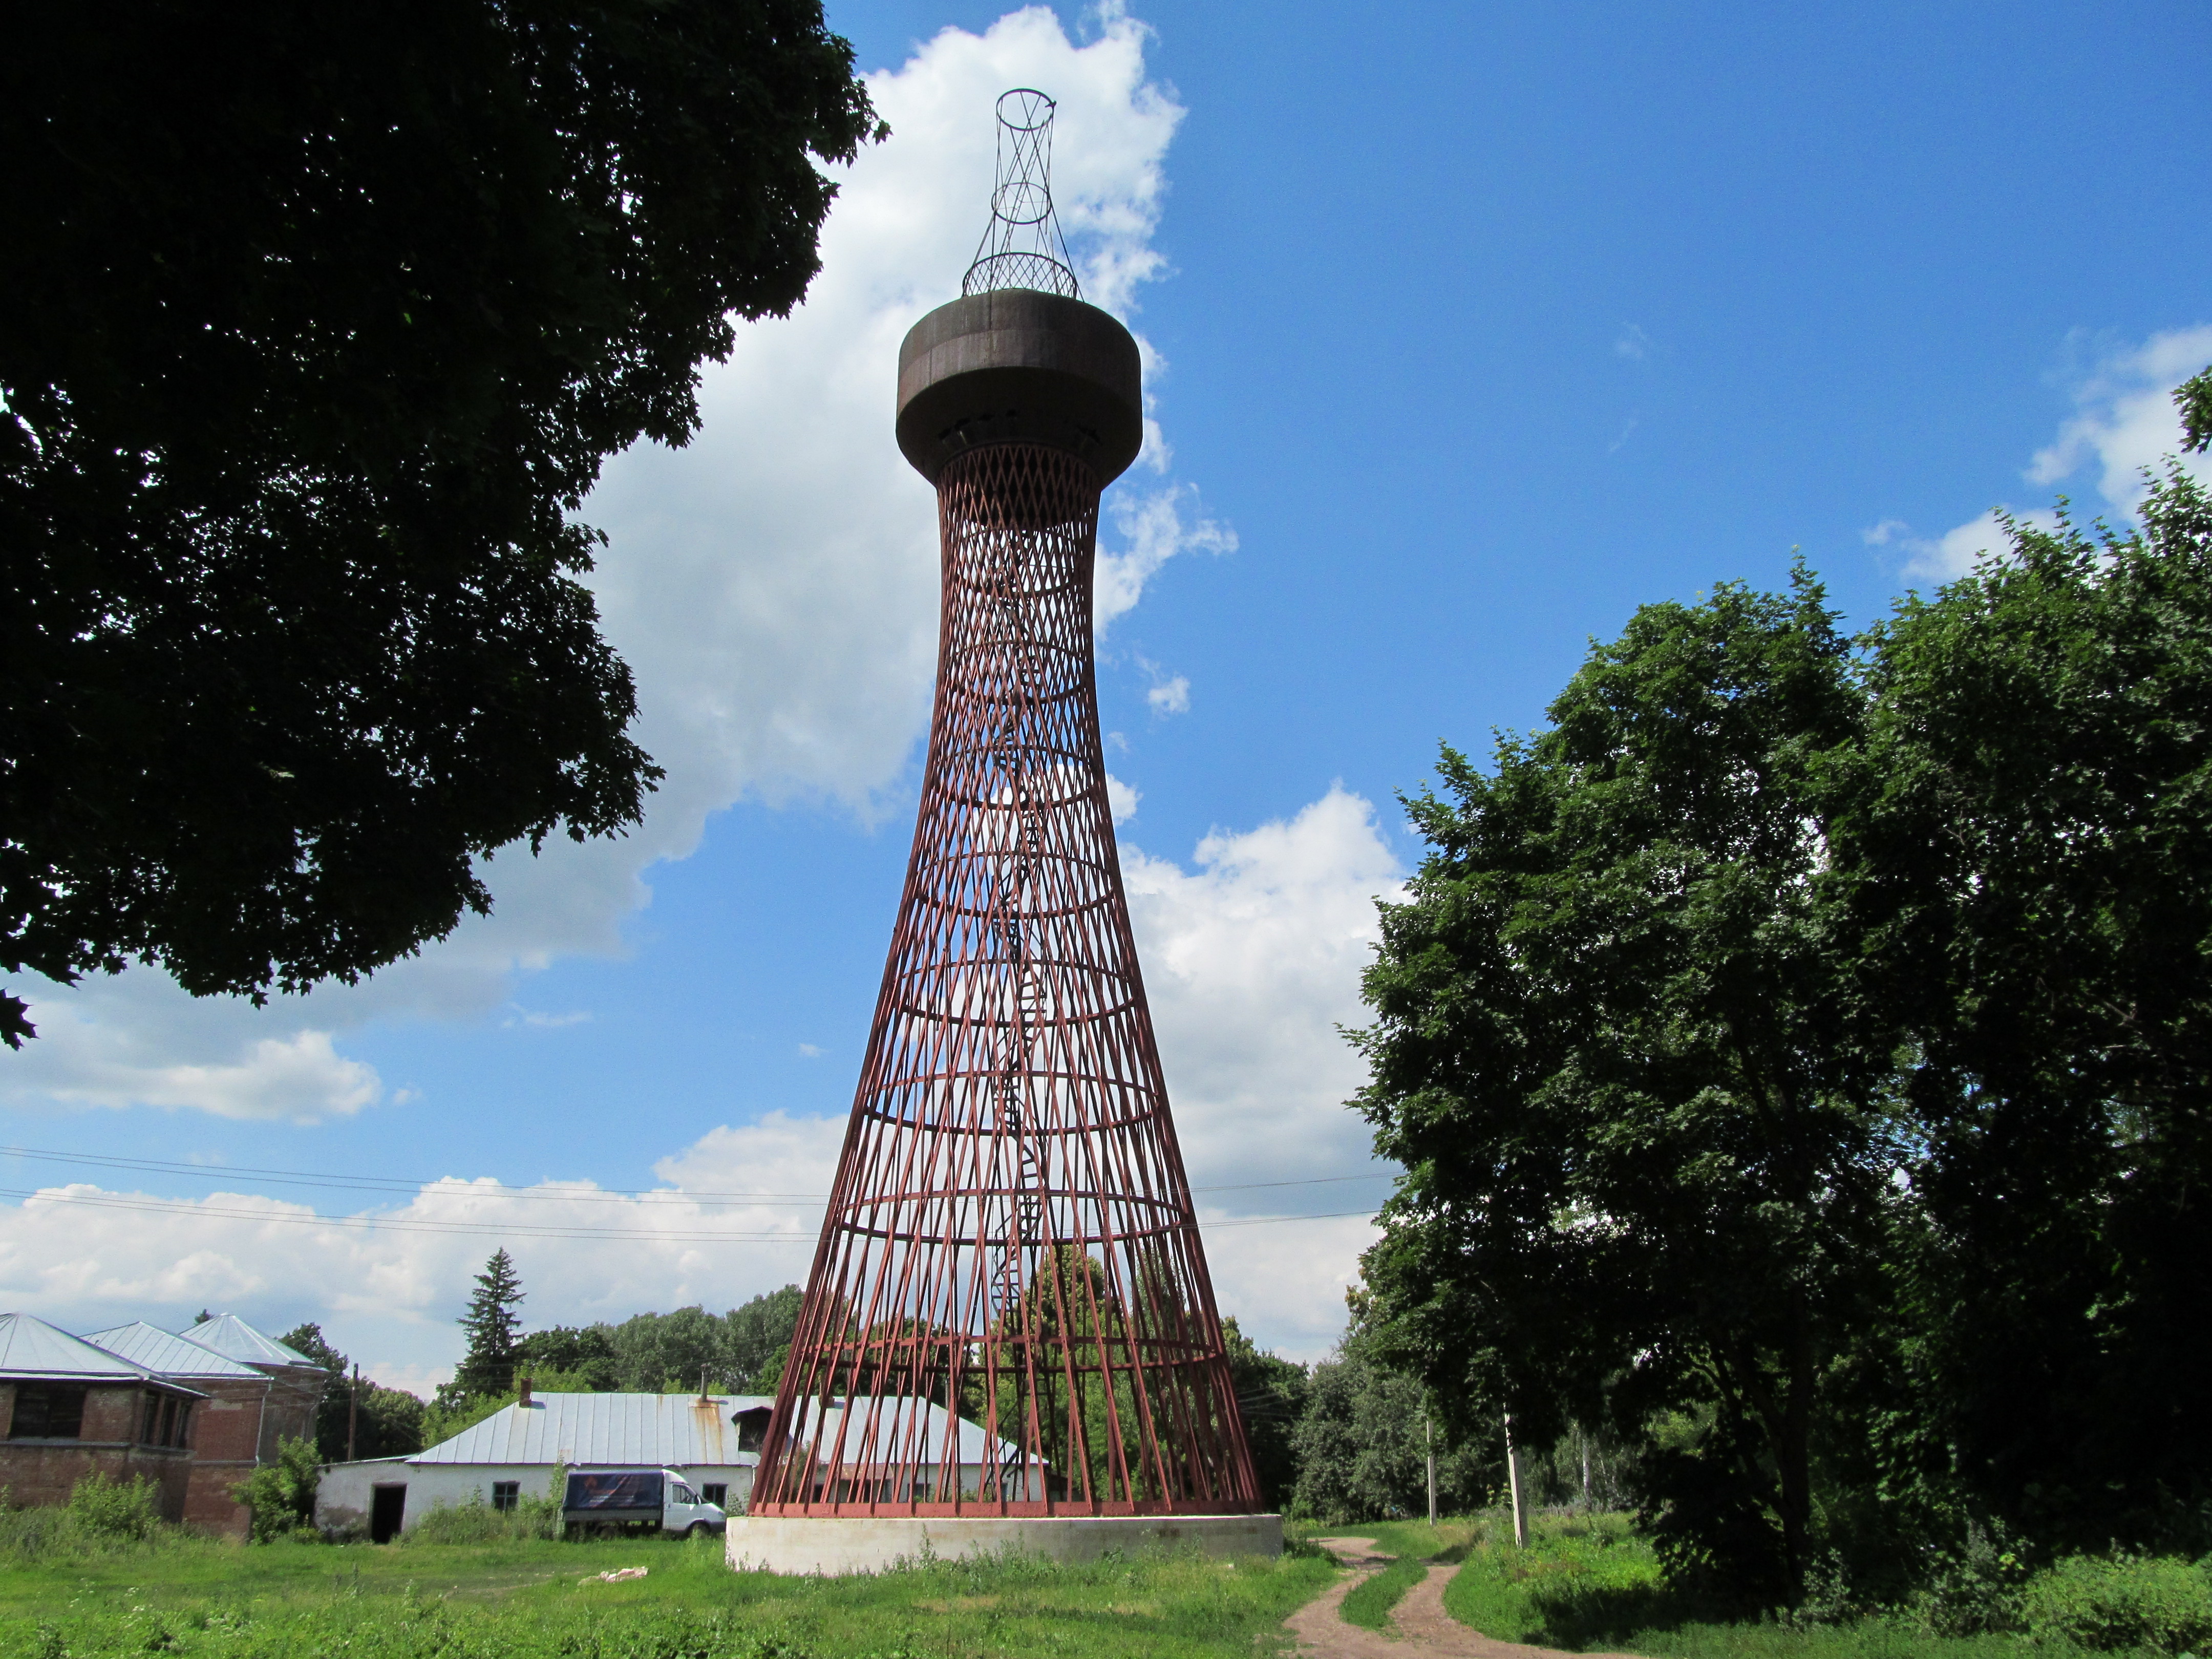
x=1424, y=1630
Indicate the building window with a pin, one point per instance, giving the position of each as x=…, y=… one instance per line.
x=166, y=1434
x=505, y=1494
x=179, y=1436
x=47, y=1411
x=716, y=1492
x=153, y=1422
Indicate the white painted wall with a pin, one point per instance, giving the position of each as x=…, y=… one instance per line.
x=342, y=1501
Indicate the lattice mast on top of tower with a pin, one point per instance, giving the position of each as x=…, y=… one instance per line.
x=1022, y=247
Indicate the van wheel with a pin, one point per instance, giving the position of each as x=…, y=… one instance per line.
x=697, y=1529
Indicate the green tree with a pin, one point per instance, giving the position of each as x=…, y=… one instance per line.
x=1362, y=1440
x=380, y=1422
x=280, y=1496
x=584, y=1355
x=760, y=1335
x=1271, y=1394
x=2033, y=864
x=1647, y=1132
x=492, y=1323
x=316, y=326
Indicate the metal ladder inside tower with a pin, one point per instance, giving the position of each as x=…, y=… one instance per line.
x=1017, y=869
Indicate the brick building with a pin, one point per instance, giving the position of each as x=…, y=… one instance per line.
x=239, y=1394
x=68, y=1407
x=229, y=1427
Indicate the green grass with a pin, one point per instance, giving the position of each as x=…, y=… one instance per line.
x=524, y=1600
x=1591, y=1584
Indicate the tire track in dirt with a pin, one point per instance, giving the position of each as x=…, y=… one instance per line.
x=1422, y=1629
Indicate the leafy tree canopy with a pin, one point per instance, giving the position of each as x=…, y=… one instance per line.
x=1271, y=1394
x=1362, y=1440
x=1797, y=1050
x=1615, y=1054
x=316, y=324
x=379, y=1422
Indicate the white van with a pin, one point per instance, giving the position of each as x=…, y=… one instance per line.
x=644, y=1499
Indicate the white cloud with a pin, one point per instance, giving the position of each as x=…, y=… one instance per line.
x=809, y=1051
x=773, y=585
x=1121, y=799
x=80, y=1060
x=1251, y=958
x=2124, y=422
x=1170, y=696
x=87, y=1256
x=1631, y=343
x=2124, y=419
x=1954, y=553
x=532, y=1019
x=1152, y=526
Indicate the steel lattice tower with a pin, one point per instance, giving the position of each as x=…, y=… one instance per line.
x=1010, y=1240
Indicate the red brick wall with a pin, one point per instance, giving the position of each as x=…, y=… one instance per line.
x=227, y=1427
x=37, y=1473
x=294, y=1392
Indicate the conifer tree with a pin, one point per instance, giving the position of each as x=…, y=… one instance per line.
x=492, y=1324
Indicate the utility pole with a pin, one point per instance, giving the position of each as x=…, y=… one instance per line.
x=352, y=1410
x=1513, y=1481
x=1429, y=1433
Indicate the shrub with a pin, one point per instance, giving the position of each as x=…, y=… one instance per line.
x=1977, y=1591
x=2114, y=1603
x=101, y=1507
x=282, y=1496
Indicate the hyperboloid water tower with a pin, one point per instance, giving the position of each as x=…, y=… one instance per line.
x=1009, y=1336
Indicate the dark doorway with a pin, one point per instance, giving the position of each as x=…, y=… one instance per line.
x=387, y=1507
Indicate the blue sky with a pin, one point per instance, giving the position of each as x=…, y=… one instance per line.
x=1472, y=328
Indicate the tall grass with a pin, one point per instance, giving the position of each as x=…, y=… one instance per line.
x=477, y=1522
x=103, y=1518
x=1585, y=1584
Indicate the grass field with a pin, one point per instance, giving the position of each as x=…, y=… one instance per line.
x=1591, y=1585
x=1585, y=1585
x=299, y=1600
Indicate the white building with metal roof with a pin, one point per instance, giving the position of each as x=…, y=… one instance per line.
x=712, y=1440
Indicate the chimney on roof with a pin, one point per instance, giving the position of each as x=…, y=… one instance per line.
x=522, y=1391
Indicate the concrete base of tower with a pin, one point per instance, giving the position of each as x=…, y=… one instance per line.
x=835, y=1546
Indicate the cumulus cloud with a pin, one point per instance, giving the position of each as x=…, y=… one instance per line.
x=2124, y=422
x=1252, y=960
x=1252, y=957
x=1169, y=694
x=2124, y=419
x=736, y=1217
x=83, y=1060
x=773, y=584
x=1954, y=553
x=1121, y=799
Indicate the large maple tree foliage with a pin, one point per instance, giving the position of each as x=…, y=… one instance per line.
x=316, y=324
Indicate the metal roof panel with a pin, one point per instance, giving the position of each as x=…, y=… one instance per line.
x=165, y=1352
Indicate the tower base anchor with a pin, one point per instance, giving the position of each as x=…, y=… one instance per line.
x=835, y=1546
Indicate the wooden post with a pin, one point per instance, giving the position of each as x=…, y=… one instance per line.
x=1513, y=1481
x=1429, y=1433
x=353, y=1411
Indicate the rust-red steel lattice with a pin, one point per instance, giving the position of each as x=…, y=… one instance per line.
x=1009, y=1312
